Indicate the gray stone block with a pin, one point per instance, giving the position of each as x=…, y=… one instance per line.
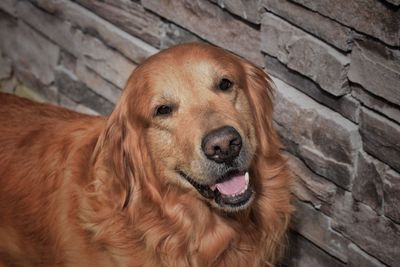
x=358, y=258
x=326, y=141
x=8, y=85
x=393, y=2
x=250, y=10
x=377, y=235
x=89, y=78
x=376, y=103
x=368, y=16
x=129, y=16
x=28, y=93
x=91, y=24
x=106, y=62
x=5, y=67
x=303, y=253
x=172, y=34
x=97, y=84
x=8, y=6
x=29, y=51
x=381, y=137
x=211, y=23
x=316, y=227
x=305, y=54
x=346, y=105
x=337, y=172
x=69, y=85
x=66, y=102
x=368, y=182
x=321, y=26
x=377, y=69
x=310, y=187
x=391, y=195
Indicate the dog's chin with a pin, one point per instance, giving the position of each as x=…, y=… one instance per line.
x=230, y=192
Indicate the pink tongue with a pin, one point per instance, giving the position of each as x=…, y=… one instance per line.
x=233, y=186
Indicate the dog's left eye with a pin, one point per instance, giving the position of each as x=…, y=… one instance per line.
x=163, y=110
x=225, y=84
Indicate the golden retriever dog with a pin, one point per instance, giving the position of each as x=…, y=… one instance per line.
x=186, y=171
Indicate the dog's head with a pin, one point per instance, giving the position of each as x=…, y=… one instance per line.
x=198, y=118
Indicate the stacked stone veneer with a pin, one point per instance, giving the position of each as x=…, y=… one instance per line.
x=336, y=66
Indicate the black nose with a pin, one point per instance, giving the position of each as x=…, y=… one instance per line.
x=222, y=145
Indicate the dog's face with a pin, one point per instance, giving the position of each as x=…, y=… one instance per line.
x=200, y=127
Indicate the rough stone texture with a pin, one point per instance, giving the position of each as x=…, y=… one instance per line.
x=303, y=253
x=319, y=134
x=358, y=258
x=375, y=234
x=9, y=7
x=25, y=92
x=368, y=16
x=40, y=94
x=70, y=104
x=338, y=172
x=133, y=48
x=393, y=2
x=305, y=54
x=8, y=85
x=346, y=105
x=28, y=57
x=368, y=184
x=68, y=61
x=381, y=137
x=250, y=10
x=376, y=103
x=377, y=69
x=5, y=67
x=316, y=227
x=172, y=34
x=97, y=84
x=91, y=51
x=391, y=195
x=48, y=93
x=92, y=25
x=70, y=86
x=201, y=16
x=129, y=16
x=326, y=29
x=310, y=187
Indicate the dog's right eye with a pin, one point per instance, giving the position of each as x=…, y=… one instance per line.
x=225, y=84
x=163, y=110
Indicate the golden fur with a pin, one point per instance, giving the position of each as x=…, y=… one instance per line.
x=80, y=190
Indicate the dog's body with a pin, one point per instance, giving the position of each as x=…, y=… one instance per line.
x=163, y=181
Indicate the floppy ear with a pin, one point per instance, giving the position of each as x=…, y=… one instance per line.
x=260, y=95
x=121, y=156
x=114, y=160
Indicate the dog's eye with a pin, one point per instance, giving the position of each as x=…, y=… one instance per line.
x=163, y=110
x=225, y=84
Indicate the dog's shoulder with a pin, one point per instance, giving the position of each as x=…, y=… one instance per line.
x=16, y=108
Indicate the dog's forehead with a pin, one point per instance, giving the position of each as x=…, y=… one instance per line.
x=194, y=67
x=188, y=72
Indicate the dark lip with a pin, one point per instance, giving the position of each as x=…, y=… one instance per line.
x=235, y=202
x=204, y=190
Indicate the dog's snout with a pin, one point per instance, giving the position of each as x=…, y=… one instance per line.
x=222, y=145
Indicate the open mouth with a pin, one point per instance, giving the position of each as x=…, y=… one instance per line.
x=231, y=191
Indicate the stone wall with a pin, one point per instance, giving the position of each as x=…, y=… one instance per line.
x=336, y=66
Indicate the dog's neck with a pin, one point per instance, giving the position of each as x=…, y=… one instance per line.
x=169, y=223
x=182, y=226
